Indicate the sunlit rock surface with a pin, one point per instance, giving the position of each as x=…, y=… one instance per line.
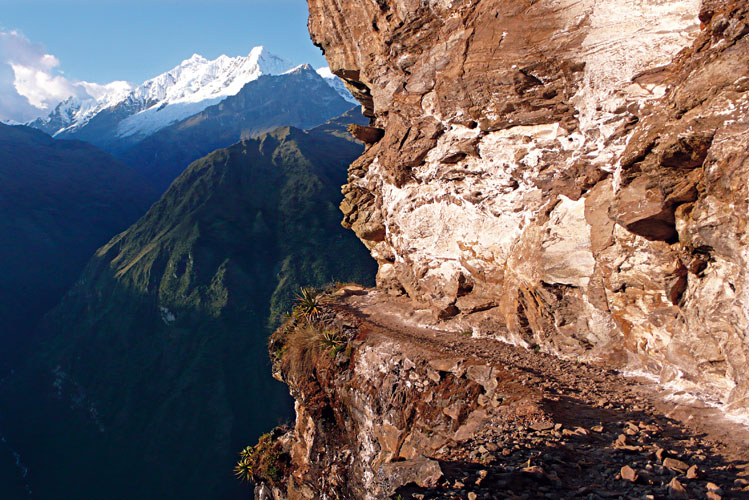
x=567, y=174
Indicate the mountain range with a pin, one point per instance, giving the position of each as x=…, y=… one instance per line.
x=162, y=125
x=152, y=372
x=62, y=196
x=185, y=90
x=299, y=98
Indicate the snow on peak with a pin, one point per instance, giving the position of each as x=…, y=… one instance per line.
x=193, y=86
x=337, y=84
x=188, y=88
x=326, y=73
x=194, y=59
x=299, y=69
x=268, y=63
x=76, y=111
x=197, y=78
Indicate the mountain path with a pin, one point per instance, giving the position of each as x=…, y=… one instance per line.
x=593, y=433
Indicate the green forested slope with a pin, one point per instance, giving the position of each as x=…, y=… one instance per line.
x=154, y=370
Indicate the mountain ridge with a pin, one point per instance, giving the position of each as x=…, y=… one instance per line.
x=126, y=110
x=262, y=105
x=194, y=80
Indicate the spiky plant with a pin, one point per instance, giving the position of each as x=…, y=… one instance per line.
x=243, y=470
x=332, y=341
x=246, y=453
x=264, y=461
x=308, y=304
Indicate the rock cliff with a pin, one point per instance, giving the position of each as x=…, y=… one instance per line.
x=562, y=174
x=565, y=176
x=389, y=408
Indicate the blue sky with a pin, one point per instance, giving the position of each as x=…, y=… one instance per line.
x=105, y=40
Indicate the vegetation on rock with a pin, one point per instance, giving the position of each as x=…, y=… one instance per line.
x=266, y=461
x=308, y=304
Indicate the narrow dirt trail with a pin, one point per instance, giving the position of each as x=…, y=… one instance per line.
x=593, y=433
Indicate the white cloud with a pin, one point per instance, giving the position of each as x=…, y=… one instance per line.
x=31, y=84
x=97, y=91
x=42, y=89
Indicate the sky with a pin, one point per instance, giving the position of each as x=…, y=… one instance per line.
x=48, y=47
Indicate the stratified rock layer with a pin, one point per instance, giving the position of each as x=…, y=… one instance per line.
x=567, y=174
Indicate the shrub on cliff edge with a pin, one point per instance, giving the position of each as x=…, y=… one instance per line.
x=264, y=462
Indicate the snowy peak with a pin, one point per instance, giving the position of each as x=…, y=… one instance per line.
x=196, y=79
x=195, y=59
x=302, y=68
x=119, y=110
x=268, y=63
x=193, y=86
x=76, y=110
x=186, y=89
x=337, y=84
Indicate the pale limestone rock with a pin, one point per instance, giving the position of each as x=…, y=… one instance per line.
x=580, y=186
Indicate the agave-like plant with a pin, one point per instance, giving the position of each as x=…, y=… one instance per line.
x=333, y=341
x=308, y=304
x=244, y=470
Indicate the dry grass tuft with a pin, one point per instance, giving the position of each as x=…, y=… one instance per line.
x=302, y=349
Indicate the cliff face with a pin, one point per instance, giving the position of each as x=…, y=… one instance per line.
x=389, y=408
x=562, y=174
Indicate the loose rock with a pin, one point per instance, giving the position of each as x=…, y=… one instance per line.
x=629, y=474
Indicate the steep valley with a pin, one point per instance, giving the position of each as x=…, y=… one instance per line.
x=152, y=373
x=60, y=201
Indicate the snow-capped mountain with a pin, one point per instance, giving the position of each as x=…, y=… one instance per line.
x=337, y=84
x=162, y=125
x=78, y=110
x=193, y=86
x=185, y=90
x=298, y=98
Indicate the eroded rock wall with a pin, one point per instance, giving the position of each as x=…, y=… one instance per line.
x=568, y=174
x=387, y=408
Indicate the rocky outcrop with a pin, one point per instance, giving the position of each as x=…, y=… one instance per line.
x=563, y=174
x=387, y=408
